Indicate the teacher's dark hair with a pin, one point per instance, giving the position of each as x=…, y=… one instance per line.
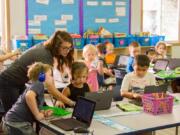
x=55, y=42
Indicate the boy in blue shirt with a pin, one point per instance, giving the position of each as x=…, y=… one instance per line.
x=27, y=108
x=134, y=50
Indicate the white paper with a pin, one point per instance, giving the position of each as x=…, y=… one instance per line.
x=67, y=17
x=106, y=3
x=34, y=31
x=92, y=3
x=120, y=3
x=60, y=22
x=100, y=20
x=121, y=11
x=61, y=29
x=45, y=2
x=67, y=1
x=113, y=20
x=34, y=23
x=40, y=17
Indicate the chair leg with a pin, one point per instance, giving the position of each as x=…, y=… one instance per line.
x=176, y=132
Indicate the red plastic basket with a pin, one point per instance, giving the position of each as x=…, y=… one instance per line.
x=157, y=106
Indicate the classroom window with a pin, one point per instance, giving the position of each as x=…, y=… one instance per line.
x=162, y=17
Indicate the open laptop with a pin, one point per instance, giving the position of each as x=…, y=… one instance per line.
x=81, y=117
x=160, y=64
x=174, y=63
x=103, y=99
x=121, y=61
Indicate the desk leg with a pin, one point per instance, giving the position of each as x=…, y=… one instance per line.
x=177, y=130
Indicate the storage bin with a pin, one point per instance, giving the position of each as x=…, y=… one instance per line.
x=157, y=106
x=120, y=42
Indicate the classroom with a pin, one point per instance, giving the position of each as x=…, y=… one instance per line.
x=89, y=67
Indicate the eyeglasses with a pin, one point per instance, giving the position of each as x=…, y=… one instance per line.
x=66, y=48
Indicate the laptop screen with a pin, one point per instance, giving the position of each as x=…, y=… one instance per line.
x=161, y=65
x=84, y=110
x=123, y=60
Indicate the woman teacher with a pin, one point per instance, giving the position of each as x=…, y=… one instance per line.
x=14, y=78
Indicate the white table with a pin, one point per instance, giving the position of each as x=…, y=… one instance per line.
x=137, y=122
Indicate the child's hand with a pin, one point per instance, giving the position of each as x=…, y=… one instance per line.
x=137, y=96
x=48, y=113
x=60, y=104
x=40, y=116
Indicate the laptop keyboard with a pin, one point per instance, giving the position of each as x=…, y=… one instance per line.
x=68, y=124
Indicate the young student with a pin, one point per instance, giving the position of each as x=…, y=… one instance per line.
x=95, y=66
x=110, y=55
x=139, y=78
x=101, y=50
x=62, y=76
x=161, y=49
x=26, y=109
x=152, y=55
x=134, y=50
x=78, y=86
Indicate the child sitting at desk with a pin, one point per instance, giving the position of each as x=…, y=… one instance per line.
x=134, y=50
x=101, y=50
x=95, y=66
x=78, y=86
x=161, y=49
x=26, y=110
x=110, y=54
x=139, y=78
x=152, y=54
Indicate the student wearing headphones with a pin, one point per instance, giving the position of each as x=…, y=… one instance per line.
x=13, y=79
x=26, y=110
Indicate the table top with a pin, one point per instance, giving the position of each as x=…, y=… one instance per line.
x=134, y=122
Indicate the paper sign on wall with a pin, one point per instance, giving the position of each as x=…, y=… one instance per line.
x=61, y=29
x=113, y=20
x=44, y=2
x=34, y=23
x=100, y=20
x=106, y=3
x=67, y=17
x=92, y=3
x=67, y=1
x=40, y=17
x=34, y=31
x=121, y=11
x=60, y=22
x=120, y=3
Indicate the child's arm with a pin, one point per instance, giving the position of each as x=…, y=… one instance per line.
x=100, y=67
x=8, y=55
x=66, y=92
x=108, y=72
x=32, y=104
x=130, y=95
x=90, y=88
x=58, y=95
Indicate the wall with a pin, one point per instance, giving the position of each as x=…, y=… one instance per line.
x=17, y=12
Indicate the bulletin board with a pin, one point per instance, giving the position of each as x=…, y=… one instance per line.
x=47, y=16
x=76, y=16
x=114, y=15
